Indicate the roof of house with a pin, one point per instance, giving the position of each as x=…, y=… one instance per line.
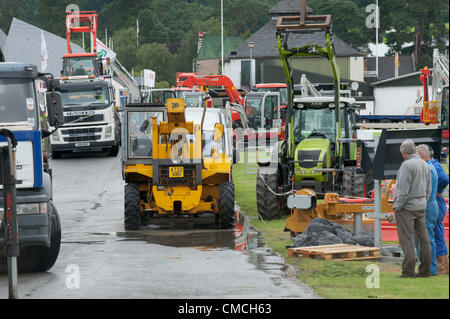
x=285, y=7
x=24, y=45
x=211, y=46
x=386, y=66
x=410, y=79
x=266, y=43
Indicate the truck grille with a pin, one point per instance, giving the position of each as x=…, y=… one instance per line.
x=189, y=176
x=308, y=159
x=81, y=134
x=93, y=118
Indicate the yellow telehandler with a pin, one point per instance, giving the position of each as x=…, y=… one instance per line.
x=172, y=166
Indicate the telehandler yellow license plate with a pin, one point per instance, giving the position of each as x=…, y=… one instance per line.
x=176, y=171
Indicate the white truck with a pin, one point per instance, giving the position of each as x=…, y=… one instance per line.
x=90, y=120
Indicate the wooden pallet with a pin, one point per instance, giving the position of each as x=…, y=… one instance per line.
x=336, y=252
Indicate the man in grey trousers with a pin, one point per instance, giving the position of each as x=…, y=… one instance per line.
x=412, y=192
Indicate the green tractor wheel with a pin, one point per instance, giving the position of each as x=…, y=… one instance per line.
x=267, y=202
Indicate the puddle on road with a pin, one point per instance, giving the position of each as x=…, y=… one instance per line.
x=201, y=233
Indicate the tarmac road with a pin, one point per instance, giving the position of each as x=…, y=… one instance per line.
x=98, y=259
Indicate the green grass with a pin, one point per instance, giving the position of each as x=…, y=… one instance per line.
x=334, y=279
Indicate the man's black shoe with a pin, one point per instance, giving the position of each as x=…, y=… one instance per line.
x=407, y=276
x=423, y=275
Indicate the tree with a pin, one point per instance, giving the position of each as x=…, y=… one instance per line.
x=156, y=57
x=125, y=47
x=348, y=21
x=419, y=23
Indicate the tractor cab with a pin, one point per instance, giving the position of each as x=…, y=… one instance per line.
x=86, y=64
x=316, y=145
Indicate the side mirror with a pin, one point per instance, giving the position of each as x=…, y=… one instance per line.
x=218, y=132
x=54, y=109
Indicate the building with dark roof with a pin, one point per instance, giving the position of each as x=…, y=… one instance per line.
x=23, y=44
x=265, y=60
x=386, y=67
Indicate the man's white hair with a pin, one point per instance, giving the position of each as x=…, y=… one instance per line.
x=408, y=147
x=424, y=150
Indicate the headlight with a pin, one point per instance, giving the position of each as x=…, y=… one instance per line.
x=55, y=136
x=108, y=131
x=35, y=208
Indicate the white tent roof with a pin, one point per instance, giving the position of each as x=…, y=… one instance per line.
x=23, y=44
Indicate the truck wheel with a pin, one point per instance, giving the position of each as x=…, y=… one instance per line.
x=353, y=184
x=114, y=150
x=266, y=201
x=56, y=155
x=132, y=218
x=225, y=218
x=50, y=254
x=29, y=258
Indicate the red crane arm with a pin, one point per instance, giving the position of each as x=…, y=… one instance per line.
x=214, y=80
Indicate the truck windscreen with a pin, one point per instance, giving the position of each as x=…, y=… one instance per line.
x=85, y=98
x=17, y=102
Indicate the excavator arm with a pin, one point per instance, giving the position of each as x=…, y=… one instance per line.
x=191, y=80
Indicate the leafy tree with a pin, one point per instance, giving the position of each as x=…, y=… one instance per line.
x=125, y=47
x=156, y=57
x=419, y=23
x=348, y=20
x=21, y=9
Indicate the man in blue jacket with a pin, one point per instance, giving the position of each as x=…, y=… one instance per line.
x=432, y=211
x=441, y=247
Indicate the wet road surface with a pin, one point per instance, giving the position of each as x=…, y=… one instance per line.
x=176, y=258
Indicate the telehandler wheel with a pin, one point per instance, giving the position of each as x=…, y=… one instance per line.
x=225, y=218
x=266, y=201
x=50, y=254
x=132, y=218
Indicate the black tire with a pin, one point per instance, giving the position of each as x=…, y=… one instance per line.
x=50, y=254
x=56, y=155
x=132, y=218
x=266, y=201
x=113, y=151
x=225, y=219
x=353, y=184
x=30, y=258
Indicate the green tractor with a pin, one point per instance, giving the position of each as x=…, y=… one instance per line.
x=321, y=150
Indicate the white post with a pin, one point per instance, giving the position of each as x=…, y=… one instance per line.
x=377, y=215
x=377, y=25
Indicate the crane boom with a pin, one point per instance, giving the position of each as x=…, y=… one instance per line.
x=440, y=74
x=213, y=80
x=127, y=79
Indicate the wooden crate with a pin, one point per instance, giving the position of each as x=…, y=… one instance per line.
x=336, y=252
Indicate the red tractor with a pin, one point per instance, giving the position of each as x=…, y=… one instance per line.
x=82, y=64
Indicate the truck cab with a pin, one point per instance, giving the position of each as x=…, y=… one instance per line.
x=38, y=221
x=90, y=122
